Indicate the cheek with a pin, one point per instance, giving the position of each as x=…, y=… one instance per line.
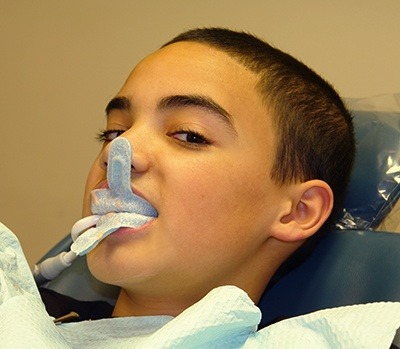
x=217, y=209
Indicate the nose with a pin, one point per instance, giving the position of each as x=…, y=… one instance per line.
x=139, y=162
x=120, y=167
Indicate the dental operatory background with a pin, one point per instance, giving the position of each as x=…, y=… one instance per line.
x=62, y=61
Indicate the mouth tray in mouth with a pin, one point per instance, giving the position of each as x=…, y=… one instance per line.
x=117, y=206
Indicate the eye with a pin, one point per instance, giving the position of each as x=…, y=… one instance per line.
x=191, y=138
x=108, y=135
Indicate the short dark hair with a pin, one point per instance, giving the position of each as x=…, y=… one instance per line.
x=315, y=132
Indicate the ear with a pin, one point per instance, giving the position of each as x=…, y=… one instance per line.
x=308, y=206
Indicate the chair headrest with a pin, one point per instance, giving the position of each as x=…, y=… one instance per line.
x=375, y=182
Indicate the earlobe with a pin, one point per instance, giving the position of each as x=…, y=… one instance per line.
x=308, y=207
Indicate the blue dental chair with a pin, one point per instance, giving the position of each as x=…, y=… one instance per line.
x=353, y=264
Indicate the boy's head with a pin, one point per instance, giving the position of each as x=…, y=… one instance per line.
x=314, y=128
x=237, y=146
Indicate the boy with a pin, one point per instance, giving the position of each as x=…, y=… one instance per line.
x=240, y=148
x=245, y=154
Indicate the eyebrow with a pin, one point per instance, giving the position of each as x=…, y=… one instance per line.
x=118, y=103
x=198, y=101
x=178, y=101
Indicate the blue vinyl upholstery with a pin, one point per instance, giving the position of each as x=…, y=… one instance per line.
x=347, y=267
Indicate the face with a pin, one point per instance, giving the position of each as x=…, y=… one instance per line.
x=203, y=148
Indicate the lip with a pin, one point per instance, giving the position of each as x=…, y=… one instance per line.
x=128, y=232
x=104, y=185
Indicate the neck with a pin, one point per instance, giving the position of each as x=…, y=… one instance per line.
x=131, y=304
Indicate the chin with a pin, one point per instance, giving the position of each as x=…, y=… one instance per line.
x=107, y=266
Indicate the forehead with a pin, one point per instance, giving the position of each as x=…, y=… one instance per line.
x=190, y=68
x=192, y=59
x=193, y=68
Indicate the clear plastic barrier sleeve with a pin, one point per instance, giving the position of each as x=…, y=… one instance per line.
x=375, y=185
